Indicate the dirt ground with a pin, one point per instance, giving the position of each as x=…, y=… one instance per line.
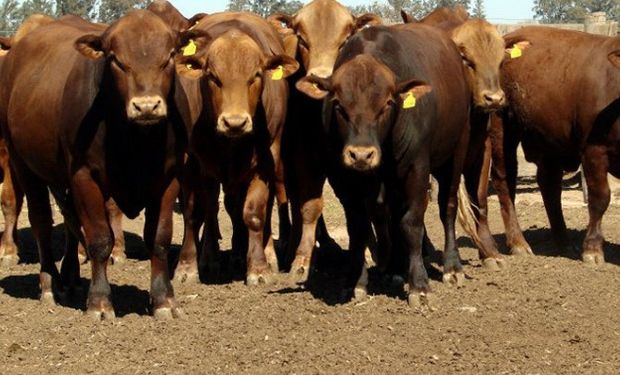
x=548, y=314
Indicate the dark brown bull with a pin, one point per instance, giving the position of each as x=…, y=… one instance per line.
x=398, y=107
x=242, y=66
x=314, y=36
x=563, y=93
x=12, y=195
x=109, y=129
x=483, y=51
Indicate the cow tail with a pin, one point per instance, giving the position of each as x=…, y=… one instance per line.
x=466, y=215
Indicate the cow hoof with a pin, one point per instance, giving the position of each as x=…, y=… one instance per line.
x=299, y=275
x=47, y=299
x=256, y=279
x=82, y=258
x=102, y=314
x=118, y=258
x=168, y=313
x=421, y=301
x=454, y=278
x=9, y=260
x=521, y=251
x=595, y=259
x=187, y=273
x=495, y=264
x=360, y=293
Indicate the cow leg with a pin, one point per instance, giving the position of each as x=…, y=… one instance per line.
x=270, y=250
x=254, y=216
x=12, y=199
x=308, y=210
x=549, y=177
x=477, y=184
x=284, y=220
x=70, y=269
x=91, y=209
x=412, y=228
x=595, y=167
x=209, y=263
x=157, y=237
x=116, y=222
x=504, y=177
x=193, y=217
x=359, y=229
x=233, y=202
x=40, y=217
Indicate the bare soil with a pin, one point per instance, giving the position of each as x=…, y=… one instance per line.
x=548, y=314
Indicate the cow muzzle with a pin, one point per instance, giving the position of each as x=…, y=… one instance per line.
x=321, y=72
x=147, y=110
x=361, y=158
x=234, y=125
x=493, y=100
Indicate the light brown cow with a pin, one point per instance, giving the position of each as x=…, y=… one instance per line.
x=242, y=65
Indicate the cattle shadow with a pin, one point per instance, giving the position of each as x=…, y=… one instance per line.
x=29, y=254
x=528, y=184
x=542, y=244
x=127, y=299
x=326, y=281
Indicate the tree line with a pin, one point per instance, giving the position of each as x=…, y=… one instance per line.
x=569, y=11
x=13, y=12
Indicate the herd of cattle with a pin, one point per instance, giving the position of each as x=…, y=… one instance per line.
x=116, y=119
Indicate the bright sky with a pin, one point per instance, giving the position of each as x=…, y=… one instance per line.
x=499, y=11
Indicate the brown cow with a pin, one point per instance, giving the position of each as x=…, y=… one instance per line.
x=397, y=111
x=314, y=36
x=242, y=65
x=12, y=195
x=483, y=51
x=109, y=129
x=563, y=94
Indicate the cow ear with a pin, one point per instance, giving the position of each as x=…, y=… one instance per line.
x=5, y=42
x=614, y=58
x=367, y=19
x=188, y=59
x=314, y=86
x=280, y=66
x=196, y=19
x=407, y=18
x=411, y=91
x=90, y=46
x=515, y=49
x=283, y=23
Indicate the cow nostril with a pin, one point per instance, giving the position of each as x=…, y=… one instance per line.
x=370, y=155
x=137, y=107
x=353, y=155
x=156, y=105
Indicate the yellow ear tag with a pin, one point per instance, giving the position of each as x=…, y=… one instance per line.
x=190, y=49
x=189, y=66
x=410, y=101
x=278, y=74
x=516, y=52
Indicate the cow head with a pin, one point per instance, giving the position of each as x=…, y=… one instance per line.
x=234, y=69
x=317, y=32
x=483, y=51
x=365, y=97
x=138, y=50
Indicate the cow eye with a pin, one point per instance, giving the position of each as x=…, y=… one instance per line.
x=342, y=113
x=256, y=77
x=119, y=64
x=302, y=42
x=214, y=79
x=468, y=63
x=166, y=64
